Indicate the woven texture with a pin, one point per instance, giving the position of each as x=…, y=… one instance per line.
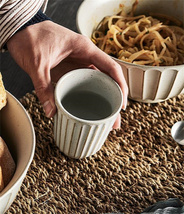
x=137, y=166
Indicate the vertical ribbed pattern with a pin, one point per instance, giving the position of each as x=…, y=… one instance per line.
x=150, y=84
x=78, y=140
x=153, y=84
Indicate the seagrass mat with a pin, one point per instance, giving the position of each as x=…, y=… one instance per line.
x=137, y=166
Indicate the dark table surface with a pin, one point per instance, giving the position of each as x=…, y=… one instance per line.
x=16, y=81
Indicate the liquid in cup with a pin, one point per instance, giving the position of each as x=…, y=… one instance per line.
x=88, y=103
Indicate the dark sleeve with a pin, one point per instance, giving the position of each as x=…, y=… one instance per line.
x=39, y=17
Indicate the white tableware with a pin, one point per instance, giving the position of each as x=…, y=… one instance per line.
x=149, y=84
x=81, y=135
x=177, y=132
x=18, y=133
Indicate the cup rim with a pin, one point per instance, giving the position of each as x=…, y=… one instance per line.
x=59, y=105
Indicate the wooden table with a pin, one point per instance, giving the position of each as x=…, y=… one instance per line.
x=16, y=81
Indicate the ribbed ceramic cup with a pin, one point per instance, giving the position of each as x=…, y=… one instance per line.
x=76, y=137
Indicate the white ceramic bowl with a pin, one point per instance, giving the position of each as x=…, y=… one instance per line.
x=149, y=84
x=18, y=133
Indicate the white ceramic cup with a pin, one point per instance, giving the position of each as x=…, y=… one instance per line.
x=79, y=137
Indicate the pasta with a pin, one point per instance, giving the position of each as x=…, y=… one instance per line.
x=143, y=40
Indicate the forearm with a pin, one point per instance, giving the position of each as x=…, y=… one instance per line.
x=14, y=14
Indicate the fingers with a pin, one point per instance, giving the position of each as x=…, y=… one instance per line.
x=117, y=123
x=106, y=64
x=44, y=90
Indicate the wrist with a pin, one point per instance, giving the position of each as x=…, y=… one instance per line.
x=39, y=17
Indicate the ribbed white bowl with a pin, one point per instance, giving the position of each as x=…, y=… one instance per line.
x=146, y=83
x=153, y=84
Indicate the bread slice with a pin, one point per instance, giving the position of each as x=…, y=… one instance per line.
x=3, y=98
x=7, y=165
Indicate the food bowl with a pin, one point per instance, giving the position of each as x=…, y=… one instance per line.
x=149, y=84
x=18, y=133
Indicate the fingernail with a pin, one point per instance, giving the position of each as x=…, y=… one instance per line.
x=125, y=105
x=124, y=108
x=47, y=106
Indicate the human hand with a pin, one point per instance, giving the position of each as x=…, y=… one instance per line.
x=41, y=47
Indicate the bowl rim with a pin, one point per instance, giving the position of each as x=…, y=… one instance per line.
x=7, y=189
x=146, y=67
x=119, y=60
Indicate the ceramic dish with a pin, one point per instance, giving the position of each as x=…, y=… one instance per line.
x=149, y=84
x=18, y=133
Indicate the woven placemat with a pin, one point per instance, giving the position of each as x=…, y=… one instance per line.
x=137, y=166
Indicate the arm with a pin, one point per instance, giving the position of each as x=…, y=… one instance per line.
x=42, y=46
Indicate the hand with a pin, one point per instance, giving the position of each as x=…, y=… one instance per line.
x=41, y=47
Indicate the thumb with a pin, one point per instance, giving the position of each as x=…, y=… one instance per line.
x=45, y=91
x=117, y=124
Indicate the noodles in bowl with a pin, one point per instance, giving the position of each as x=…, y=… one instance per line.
x=142, y=40
x=149, y=81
